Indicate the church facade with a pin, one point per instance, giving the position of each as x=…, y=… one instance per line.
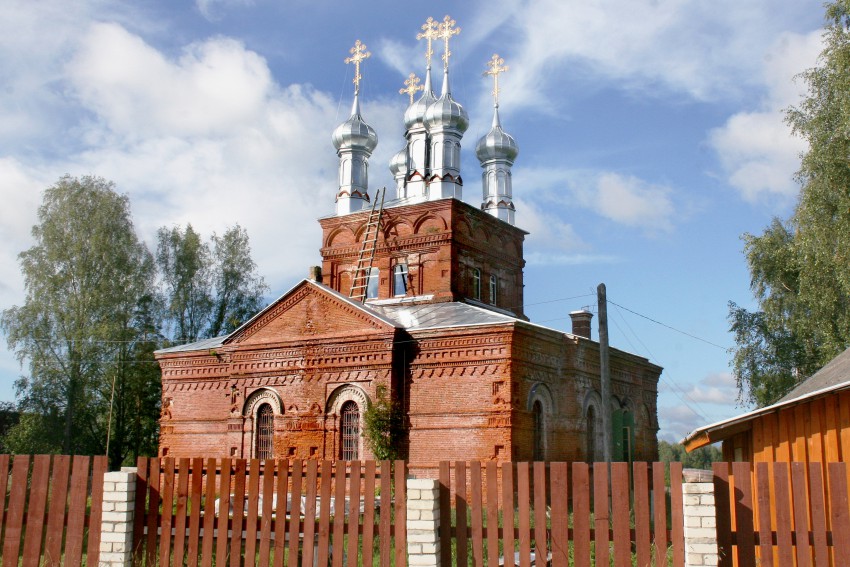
x=439, y=324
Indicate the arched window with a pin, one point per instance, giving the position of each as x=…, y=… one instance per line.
x=350, y=431
x=539, y=432
x=494, y=285
x=591, y=436
x=265, y=432
x=372, y=285
x=400, y=280
x=476, y=284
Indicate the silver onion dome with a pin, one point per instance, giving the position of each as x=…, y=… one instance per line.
x=398, y=163
x=445, y=112
x=496, y=144
x=415, y=113
x=354, y=132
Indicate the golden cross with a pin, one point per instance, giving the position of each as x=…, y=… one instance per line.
x=429, y=32
x=412, y=84
x=496, y=67
x=445, y=31
x=358, y=54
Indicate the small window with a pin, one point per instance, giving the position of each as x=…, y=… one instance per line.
x=265, y=432
x=494, y=285
x=400, y=280
x=476, y=284
x=539, y=432
x=372, y=285
x=350, y=429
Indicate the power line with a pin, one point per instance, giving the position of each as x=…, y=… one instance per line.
x=669, y=327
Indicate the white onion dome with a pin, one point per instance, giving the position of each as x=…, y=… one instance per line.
x=398, y=163
x=355, y=133
x=445, y=112
x=415, y=113
x=496, y=144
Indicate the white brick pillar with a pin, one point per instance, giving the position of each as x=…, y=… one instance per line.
x=423, y=521
x=116, y=524
x=700, y=518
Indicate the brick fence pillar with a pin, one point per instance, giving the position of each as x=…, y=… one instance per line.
x=116, y=524
x=423, y=521
x=700, y=518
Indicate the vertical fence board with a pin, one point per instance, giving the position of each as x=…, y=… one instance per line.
x=560, y=540
x=354, y=514
x=13, y=526
x=368, y=513
x=600, y=512
x=581, y=513
x=4, y=482
x=339, y=517
x=400, y=512
x=76, y=510
x=744, y=514
x=37, y=502
x=642, y=521
x=462, y=513
x=266, y=512
x=252, y=513
x=523, y=513
x=445, y=478
x=799, y=488
x=659, y=501
x=508, y=514
x=764, y=507
x=324, y=538
x=840, y=511
x=295, y=510
x=237, y=508
x=100, y=465
x=477, y=515
x=677, y=515
x=166, y=514
x=541, y=551
x=724, y=519
x=153, y=512
x=209, y=515
x=620, y=512
x=195, y=514
x=56, y=511
x=310, y=513
x=492, y=513
x=818, y=509
x=782, y=500
x=386, y=510
x=280, y=525
x=140, y=506
x=180, y=510
x=221, y=540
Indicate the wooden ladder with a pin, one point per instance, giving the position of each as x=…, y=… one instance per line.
x=360, y=283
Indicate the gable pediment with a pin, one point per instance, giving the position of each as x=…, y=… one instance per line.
x=308, y=311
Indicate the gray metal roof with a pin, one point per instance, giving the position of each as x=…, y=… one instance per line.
x=203, y=344
x=440, y=315
x=835, y=373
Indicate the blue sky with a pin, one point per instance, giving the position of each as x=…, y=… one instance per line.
x=650, y=133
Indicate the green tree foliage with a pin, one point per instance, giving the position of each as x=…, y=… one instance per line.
x=77, y=328
x=210, y=288
x=697, y=459
x=384, y=426
x=800, y=269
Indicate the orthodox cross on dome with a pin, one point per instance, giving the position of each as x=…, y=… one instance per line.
x=411, y=86
x=429, y=32
x=445, y=31
x=496, y=67
x=358, y=54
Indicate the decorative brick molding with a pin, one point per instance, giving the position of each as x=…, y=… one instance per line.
x=423, y=522
x=116, y=524
x=700, y=519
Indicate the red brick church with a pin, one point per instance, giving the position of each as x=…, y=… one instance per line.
x=421, y=293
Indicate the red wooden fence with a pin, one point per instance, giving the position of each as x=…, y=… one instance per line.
x=290, y=512
x=779, y=514
x=570, y=515
x=43, y=509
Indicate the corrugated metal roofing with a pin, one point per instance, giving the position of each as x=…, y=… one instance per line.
x=835, y=373
x=440, y=315
x=203, y=344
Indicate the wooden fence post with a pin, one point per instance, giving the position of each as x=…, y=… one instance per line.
x=423, y=522
x=116, y=522
x=700, y=514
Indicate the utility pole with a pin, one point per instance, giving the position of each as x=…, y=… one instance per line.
x=605, y=373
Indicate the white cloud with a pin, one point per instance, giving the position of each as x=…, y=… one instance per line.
x=757, y=151
x=719, y=389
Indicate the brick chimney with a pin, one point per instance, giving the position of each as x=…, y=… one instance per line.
x=581, y=322
x=314, y=274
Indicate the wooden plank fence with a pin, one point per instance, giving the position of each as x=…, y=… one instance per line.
x=778, y=514
x=561, y=514
x=292, y=512
x=50, y=509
